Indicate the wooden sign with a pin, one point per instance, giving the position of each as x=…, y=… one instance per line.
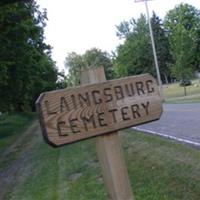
x=74, y=114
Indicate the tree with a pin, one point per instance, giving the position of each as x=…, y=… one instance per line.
x=94, y=57
x=183, y=49
x=135, y=55
x=25, y=60
x=162, y=47
x=6, y=2
x=74, y=63
x=183, y=29
x=124, y=29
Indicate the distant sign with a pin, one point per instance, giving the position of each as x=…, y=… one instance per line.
x=78, y=113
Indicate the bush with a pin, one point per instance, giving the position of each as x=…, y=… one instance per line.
x=185, y=82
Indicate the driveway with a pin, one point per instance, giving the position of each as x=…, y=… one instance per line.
x=178, y=121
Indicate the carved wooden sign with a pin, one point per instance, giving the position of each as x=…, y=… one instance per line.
x=78, y=113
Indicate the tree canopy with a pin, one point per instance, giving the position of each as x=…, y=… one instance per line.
x=182, y=25
x=135, y=55
x=26, y=66
x=162, y=47
x=27, y=69
x=177, y=42
x=94, y=57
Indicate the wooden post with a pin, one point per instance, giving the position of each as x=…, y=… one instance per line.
x=185, y=91
x=109, y=152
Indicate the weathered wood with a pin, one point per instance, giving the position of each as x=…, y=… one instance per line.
x=110, y=153
x=78, y=113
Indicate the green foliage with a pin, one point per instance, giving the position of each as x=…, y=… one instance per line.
x=182, y=25
x=135, y=55
x=6, y=2
x=177, y=45
x=159, y=169
x=162, y=47
x=11, y=126
x=74, y=63
x=25, y=60
x=94, y=57
x=124, y=29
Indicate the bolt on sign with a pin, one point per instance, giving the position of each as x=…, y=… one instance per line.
x=74, y=114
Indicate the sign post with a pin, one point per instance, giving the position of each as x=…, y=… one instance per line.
x=78, y=113
x=110, y=153
x=101, y=108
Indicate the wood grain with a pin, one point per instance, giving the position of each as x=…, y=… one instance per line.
x=74, y=114
x=110, y=153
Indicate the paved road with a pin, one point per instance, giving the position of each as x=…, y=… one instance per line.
x=178, y=121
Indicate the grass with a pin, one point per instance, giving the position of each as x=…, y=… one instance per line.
x=189, y=99
x=11, y=126
x=174, y=93
x=71, y=172
x=159, y=169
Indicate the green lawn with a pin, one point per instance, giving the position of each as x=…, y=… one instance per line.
x=174, y=93
x=12, y=129
x=159, y=169
x=11, y=126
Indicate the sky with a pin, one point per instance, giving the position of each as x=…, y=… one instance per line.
x=77, y=25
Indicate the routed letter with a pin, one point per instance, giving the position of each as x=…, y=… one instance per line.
x=110, y=98
x=73, y=126
x=49, y=112
x=101, y=119
x=148, y=84
x=96, y=97
x=135, y=111
x=63, y=105
x=88, y=119
x=113, y=114
x=125, y=113
x=118, y=92
x=146, y=107
x=59, y=125
x=140, y=88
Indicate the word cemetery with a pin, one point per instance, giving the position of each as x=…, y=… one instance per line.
x=78, y=113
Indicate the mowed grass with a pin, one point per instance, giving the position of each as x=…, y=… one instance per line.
x=188, y=99
x=13, y=125
x=175, y=93
x=70, y=172
x=159, y=169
